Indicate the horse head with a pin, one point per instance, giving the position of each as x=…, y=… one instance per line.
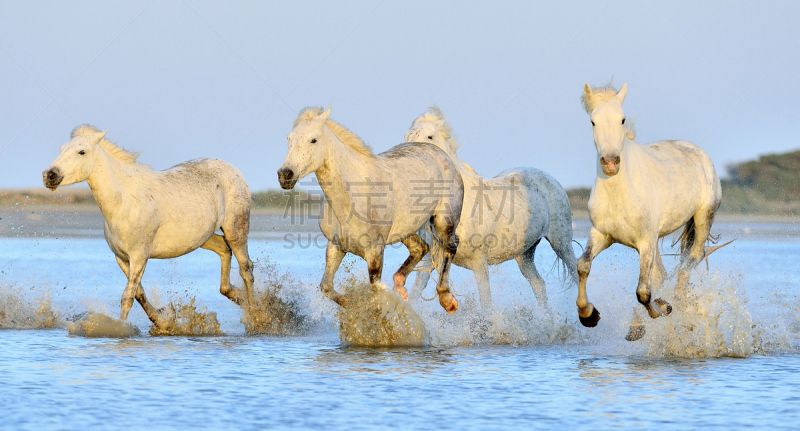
x=604, y=106
x=306, y=147
x=77, y=159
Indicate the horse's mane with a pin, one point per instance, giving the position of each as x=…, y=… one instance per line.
x=115, y=151
x=346, y=136
x=602, y=95
x=433, y=115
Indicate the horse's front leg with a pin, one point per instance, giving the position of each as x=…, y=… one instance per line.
x=598, y=241
x=647, y=258
x=158, y=317
x=417, y=249
x=135, y=272
x=333, y=258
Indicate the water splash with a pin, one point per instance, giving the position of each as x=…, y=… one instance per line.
x=710, y=320
x=277, y=309
x=519, y=324
x=377, y=317
x=19, y=312
x=98, y=325
x=187, y=319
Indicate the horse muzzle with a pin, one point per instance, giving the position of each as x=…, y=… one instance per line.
x=287, y=178
x=52, y=178
x=610, y=165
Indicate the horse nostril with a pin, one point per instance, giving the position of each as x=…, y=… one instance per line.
x=51, y=175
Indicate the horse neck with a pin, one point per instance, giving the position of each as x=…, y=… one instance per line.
x=343, y=165
x=107, y=182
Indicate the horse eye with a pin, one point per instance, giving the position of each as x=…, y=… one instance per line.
x=81, y=152
x=592, y=123
x=430, y=137
x=623, y=121
x=313, y=141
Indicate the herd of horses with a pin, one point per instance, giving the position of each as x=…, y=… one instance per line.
x=417, y=193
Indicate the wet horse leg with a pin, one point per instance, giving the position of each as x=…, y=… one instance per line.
x=160, y=318
x=647, y=256
x=528, y=269
x=333, y=258
x=239, y=249
x=696, y=251
x=481, y=271
x=416, y=249
x=135, y=271
x=446, y=232
x=218, y=245
x=587, y=313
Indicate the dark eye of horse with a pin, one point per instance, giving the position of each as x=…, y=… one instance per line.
x=592, y=123
x=430, y=137
x=623, y=121
x=81, y=152
x=313, y=141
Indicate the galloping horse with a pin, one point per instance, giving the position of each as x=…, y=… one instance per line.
x=642, y=193
x=504, y=217
x=159, y=215
x=375, y=200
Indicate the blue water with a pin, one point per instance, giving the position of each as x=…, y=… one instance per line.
x=471, y=378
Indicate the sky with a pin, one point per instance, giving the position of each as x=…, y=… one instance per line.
x=177, y=80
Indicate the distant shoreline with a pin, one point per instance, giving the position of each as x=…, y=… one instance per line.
x=274, y=203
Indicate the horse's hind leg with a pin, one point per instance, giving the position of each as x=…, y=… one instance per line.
x=239, y=249
x=218, y=245
x=446, y=232
x=528, y=269
x=416, y=249
x=422, y=278
x=695, y=249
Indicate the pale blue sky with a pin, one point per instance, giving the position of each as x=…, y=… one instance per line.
x=178, y=80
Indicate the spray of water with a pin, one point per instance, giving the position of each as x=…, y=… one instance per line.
x=20, y=312
x=375, y=316
x=709, y=319
x=187, y=319
x=98, y=325
x=277, y=308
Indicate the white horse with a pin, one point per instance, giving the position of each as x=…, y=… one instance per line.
x=504, y=217
x=642, y=193
x=159, y=215
x=375, y=200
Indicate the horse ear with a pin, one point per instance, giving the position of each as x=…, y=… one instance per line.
x=587, y=91
x=439, y=123
x=325, y=115
x=623, y=91
x=100, y=135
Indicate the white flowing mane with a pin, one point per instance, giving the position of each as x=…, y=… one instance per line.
x=115, y=151
x=433, y=115
x=602, y=95
x=343, y=133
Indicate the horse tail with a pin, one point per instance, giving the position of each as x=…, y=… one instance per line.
x=559, y=233
x=688, y=237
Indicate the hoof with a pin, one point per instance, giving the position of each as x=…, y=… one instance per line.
x=665, y=307
x=636, y=332
x=401, y=291
x=449, y=303
x=591, y=321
